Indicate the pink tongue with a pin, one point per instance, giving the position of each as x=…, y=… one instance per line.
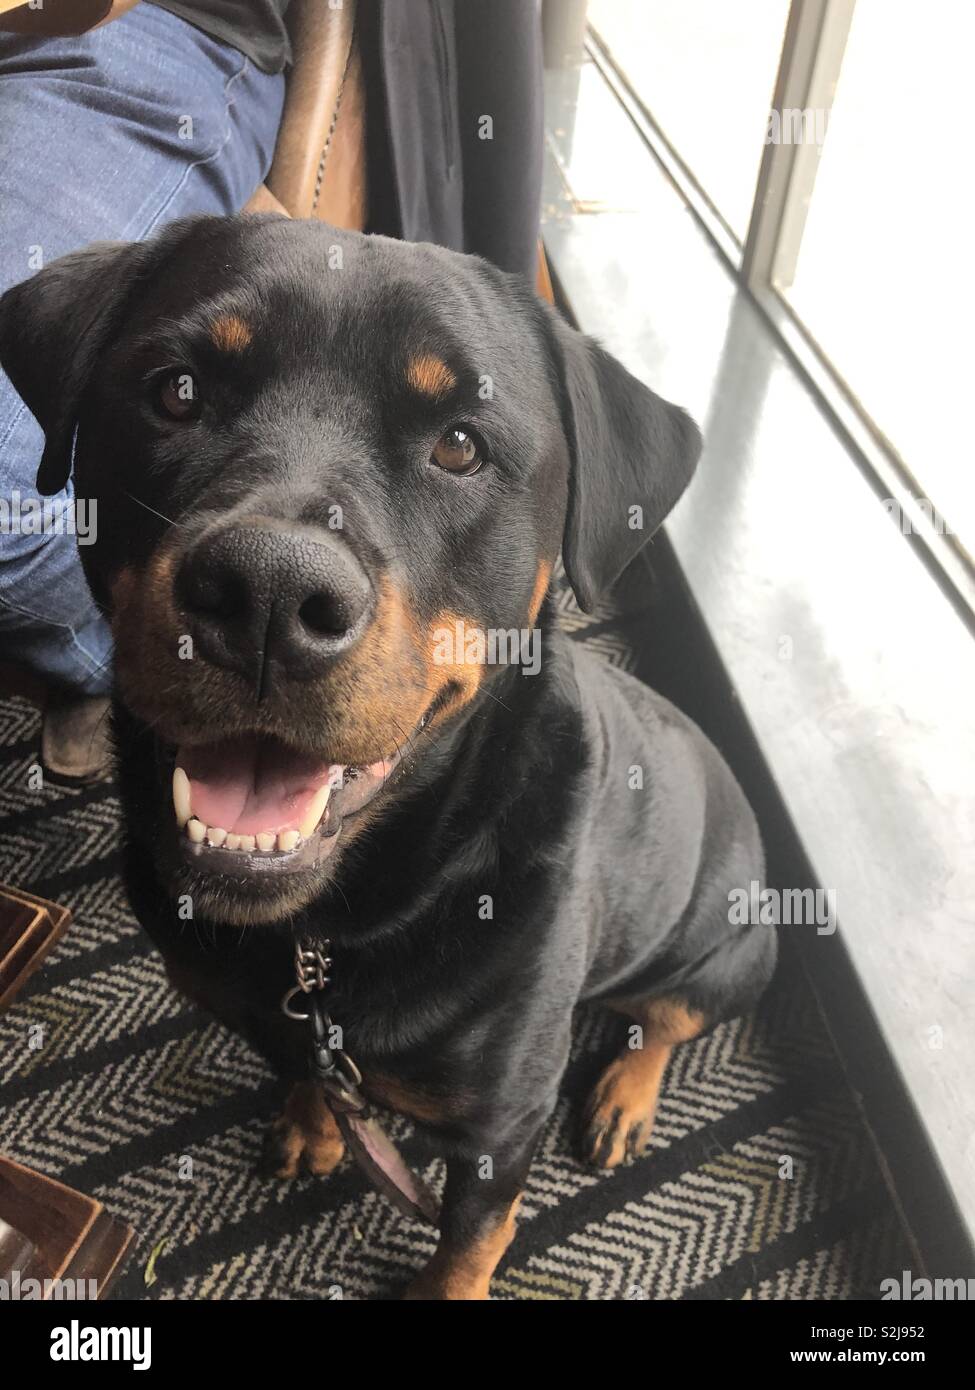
x=248, y=785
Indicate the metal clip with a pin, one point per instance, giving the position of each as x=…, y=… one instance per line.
x=336, y=1071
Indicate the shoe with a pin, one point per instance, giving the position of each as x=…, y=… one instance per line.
x=75, y=742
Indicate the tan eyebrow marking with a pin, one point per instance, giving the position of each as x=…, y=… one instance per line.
x=430, y=376
x=230, y=333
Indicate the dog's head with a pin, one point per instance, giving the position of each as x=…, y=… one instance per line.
x=320, y=459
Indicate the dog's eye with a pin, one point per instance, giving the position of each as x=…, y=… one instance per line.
x=457, y=451
x=178, y=396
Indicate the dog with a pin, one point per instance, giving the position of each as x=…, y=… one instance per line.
x=327, y=468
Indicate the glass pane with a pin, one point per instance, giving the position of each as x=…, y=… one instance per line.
x=705, y=70
x=885, y=279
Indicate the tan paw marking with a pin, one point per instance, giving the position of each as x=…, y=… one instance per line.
x=620, y=1114
x=304, y=1134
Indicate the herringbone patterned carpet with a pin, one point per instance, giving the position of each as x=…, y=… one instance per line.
x=760, y=1182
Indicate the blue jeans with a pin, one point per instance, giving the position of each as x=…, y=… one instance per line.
x=106, y=136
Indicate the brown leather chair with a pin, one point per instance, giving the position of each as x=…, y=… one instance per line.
x=319, y=161
x=320, y=153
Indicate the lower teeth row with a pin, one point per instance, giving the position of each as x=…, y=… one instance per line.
x=286, y=840
x=220, y=839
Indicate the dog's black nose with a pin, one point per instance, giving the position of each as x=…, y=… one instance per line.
x=270, y=600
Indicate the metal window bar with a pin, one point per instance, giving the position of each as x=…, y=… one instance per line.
x=809, y=69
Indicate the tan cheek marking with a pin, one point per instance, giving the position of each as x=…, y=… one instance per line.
x=540, y=590
x=377, y=686
x=132, y=590
x=429, y=376
x=122, y=586
x=466, y=675
x=230, y=333
x=144, y=626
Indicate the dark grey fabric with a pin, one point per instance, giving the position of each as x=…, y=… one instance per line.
x=254, y=27
x=438, y=171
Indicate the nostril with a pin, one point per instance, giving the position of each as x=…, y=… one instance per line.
x=214, y=595
x=271, y=602
x=322, y=616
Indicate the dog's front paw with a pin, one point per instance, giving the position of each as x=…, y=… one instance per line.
x=304, y=1134
x=619, y=1117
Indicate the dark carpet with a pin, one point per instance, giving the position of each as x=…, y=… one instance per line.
x=760, y=1182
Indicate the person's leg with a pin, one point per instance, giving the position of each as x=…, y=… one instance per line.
x=107, y=135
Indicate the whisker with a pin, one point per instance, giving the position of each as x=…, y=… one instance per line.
x=162, y=517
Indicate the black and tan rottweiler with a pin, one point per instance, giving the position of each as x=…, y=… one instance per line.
x=333, y=474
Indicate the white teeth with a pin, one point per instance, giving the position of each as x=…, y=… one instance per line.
x=265, y=841
x=315, y=812
x=181, y=796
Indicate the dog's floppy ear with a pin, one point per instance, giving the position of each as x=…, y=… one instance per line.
x=631, y=455
x=52, y=328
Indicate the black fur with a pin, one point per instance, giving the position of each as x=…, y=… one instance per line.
x=599, y=890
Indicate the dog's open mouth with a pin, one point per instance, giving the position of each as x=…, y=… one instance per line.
x=253, y=805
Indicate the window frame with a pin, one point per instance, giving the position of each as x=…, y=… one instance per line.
x=809, y=68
